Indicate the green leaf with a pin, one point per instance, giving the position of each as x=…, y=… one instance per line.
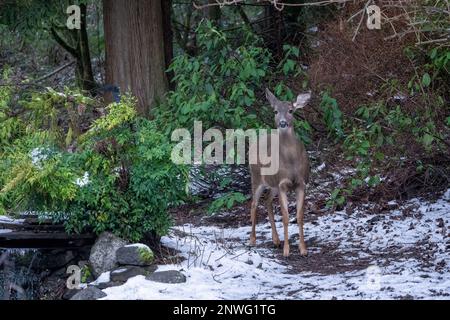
x=427, y=139
x=426, y=80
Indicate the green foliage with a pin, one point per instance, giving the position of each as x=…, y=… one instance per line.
x=146, y=255
x=120, y=178
x=86, y=274
x=332, y=115
x=227, y=202
x=218, y=85
x=223, y=85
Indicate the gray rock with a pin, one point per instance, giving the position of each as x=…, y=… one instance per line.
x=122, y=274
x=104, y=285
x=68, y=294
x=170, y=276
x=90, y=293
x=135, y=255
x=103, y=253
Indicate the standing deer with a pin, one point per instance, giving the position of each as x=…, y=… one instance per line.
x=293, y=172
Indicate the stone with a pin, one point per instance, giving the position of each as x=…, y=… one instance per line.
x=69, y=293
x=170, y=276
x=90, y=293
x=135, y=255
x=122, y=274
x=104, y=285
x=103, y=253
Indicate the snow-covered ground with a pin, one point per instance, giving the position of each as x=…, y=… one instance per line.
x=392, y=255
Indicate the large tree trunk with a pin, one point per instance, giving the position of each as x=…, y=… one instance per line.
x=87, y=75
x=168, y=37
x=135, y=50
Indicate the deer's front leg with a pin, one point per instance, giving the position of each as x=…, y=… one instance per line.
x=285, y=212
x=256, y=195
x=300, y=195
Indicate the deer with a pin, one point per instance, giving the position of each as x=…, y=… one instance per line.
x=292, y=174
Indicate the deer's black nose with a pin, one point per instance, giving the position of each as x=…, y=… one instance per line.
x=283, y=124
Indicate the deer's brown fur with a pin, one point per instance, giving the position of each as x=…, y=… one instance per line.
x=293, y=173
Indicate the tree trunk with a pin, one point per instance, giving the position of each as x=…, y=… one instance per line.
x=76, y=42
x=168, y=38
x=135, y=50
x=213, y=11
x=87, y=76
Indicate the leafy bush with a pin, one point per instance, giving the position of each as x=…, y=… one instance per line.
x=227, y=201
x=223, y=84
x=119, y=179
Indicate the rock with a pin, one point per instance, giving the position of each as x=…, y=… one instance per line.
x=170, y=276
x=103, y=253
x=104, y=285
x=90, y=293
x=135, y=255
x=69, y=293
x=122, y=274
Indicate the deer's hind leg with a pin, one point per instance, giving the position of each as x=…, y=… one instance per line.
x=300, y=195
x=256, y=196
x=269, y=205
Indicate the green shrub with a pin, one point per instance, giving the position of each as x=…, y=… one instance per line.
x=120, y=178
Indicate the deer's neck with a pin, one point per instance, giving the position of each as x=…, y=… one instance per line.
x=287, y=135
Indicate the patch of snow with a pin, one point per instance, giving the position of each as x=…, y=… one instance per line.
x=103, y=278
x=119, y=270
x=6, y=219
x=321, y=167
x=137, y=245
x=5, y=231
x=220, y=265
x=447, y=195
x=83, y=181
x=400, y=97
x=39, y=155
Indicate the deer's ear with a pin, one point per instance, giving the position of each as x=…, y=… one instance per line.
x=271, y=98
x=302, y=100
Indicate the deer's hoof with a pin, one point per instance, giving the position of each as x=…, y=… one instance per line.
x=286, y=252
x=276, y=241
x=303, y=252
x=252, y=241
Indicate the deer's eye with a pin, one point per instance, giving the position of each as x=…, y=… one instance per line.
x=291, y=111
x=276, y=111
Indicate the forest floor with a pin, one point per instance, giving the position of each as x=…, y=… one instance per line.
x=401, y=251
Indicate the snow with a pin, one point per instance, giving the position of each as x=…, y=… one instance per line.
x=5, y=231
x=119, y=271
x=83, y=181
x=103, y=278
x=6, y=219
x=390, y=255
x=321, y=167
x=137, y=245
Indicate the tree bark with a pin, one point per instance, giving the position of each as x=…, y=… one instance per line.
x=168, y=37
x=87, y=76
x=135, y=49
x=76, y=42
